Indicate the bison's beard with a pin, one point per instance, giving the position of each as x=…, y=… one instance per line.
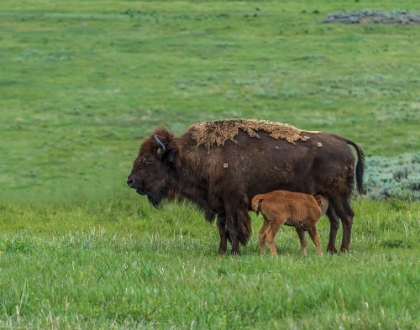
x=154, y=196
x=154, y=199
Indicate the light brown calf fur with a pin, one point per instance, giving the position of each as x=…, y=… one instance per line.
x=298, y=210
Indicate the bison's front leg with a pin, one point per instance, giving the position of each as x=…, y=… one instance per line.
x=231, y=228
x=238, y=224
x=224, y=235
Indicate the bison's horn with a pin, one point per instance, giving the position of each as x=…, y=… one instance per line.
x=162, y=147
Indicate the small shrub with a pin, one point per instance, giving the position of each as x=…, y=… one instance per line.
x=375, y=16
x=393, y=177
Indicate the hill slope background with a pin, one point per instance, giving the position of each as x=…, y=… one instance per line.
x=83, y=83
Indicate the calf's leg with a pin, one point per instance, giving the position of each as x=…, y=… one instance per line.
x=262, y=235
x=313, y=233
x=271, y=232
x=302, y=239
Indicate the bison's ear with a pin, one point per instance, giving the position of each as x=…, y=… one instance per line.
x=170, y=157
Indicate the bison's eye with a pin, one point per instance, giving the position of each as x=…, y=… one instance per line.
x=148, y=160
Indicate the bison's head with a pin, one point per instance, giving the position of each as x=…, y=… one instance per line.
x=154, y=167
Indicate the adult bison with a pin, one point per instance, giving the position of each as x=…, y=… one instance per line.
x=221, y=165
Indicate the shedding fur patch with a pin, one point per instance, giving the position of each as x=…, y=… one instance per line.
x=218, y=132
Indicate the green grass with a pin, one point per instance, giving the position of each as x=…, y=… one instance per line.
x=82, y=82
x=121, y=264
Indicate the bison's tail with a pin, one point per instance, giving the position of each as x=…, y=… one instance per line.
x=360, y=167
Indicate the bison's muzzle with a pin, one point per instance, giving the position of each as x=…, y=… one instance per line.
x=154, y=199
x=140, y=189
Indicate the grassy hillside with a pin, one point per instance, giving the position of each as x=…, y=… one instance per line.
x=82, y=82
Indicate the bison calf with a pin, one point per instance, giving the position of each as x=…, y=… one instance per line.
x=298, y=210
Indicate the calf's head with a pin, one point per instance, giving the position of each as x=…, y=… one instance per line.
x=322, y=202
x=256, y=203
x=153, y=167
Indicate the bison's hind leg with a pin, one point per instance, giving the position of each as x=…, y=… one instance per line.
x=346, y=215
x=340, y=208
x=334, y=226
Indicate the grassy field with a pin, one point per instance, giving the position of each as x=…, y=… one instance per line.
x=82, y=82
x=117, y=263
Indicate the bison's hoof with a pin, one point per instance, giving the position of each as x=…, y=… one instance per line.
x=332, y=250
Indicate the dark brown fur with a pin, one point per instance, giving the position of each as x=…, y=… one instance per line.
x=221, y=180
x=298, y=210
